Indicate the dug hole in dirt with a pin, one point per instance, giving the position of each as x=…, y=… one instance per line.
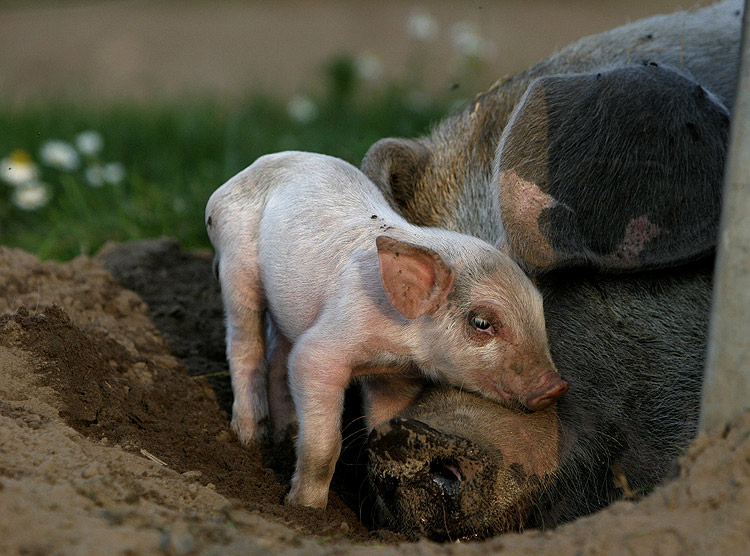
x=114, y=435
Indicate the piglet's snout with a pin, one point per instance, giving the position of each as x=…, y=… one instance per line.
x=551, y=388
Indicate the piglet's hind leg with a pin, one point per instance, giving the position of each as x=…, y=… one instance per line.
x=245, y=351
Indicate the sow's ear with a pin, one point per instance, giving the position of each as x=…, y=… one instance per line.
x=415, y=278
x=396, y=166
x=620, y=170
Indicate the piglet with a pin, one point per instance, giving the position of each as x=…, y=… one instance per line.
x=351, y=288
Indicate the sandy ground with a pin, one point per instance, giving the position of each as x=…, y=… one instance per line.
x=108, y=445
x=146, y=50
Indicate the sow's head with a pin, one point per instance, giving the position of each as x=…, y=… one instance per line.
x=461, y=470
x=619, y=169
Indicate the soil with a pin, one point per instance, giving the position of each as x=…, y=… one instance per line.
x=114, y=435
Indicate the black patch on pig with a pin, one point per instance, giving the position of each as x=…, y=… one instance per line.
x=641, y=145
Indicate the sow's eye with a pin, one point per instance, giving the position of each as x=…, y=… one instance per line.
x=482, y=325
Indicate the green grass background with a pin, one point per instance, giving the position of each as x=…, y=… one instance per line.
x=177, y=152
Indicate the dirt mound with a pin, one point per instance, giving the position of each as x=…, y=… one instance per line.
x=109, y=446
x=115, y=381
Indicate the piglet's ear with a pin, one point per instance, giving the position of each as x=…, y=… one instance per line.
x=415, y=278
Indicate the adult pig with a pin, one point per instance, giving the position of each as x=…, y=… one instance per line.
x=626, y=277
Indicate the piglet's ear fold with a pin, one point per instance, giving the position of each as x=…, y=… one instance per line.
x=415, y=278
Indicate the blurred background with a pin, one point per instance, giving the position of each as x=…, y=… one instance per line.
x=119, y=118
x=145, y=48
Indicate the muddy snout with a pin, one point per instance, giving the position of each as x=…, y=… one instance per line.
x=404, y=452
x=444, y=486
x=550, y=387
x=420, y=476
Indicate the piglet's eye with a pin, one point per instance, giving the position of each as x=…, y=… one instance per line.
x=482, y=325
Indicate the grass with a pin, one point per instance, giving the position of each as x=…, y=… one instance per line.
x=177, y=152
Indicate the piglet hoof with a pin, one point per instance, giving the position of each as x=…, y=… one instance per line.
x=311, y=498
x=555, y=388
x=247, y=429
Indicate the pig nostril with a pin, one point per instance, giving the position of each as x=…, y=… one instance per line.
x=447, y=475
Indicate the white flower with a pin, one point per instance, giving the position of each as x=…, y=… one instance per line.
x=467, y=40
x=369, y=67
x=18, y=168
x=95, y=175
x=113, y=173
x=60, y=155
x=302, y=109
x=422, y=26
x=31, y=195
x=89, y=142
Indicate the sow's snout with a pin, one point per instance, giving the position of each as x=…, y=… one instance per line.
x=444, y=487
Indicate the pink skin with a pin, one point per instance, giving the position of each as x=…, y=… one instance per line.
x=521, y=204
x=388, y=395
x=551, y=387
x=346, y=301
x=638, y=233
x=535, y=397
x=416, y=279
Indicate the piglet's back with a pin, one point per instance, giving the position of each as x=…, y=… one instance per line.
x=329, y=187
x=315, y=218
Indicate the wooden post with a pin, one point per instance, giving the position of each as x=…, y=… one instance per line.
x=726, y=389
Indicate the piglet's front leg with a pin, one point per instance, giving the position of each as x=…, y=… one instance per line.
x=318, y=379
